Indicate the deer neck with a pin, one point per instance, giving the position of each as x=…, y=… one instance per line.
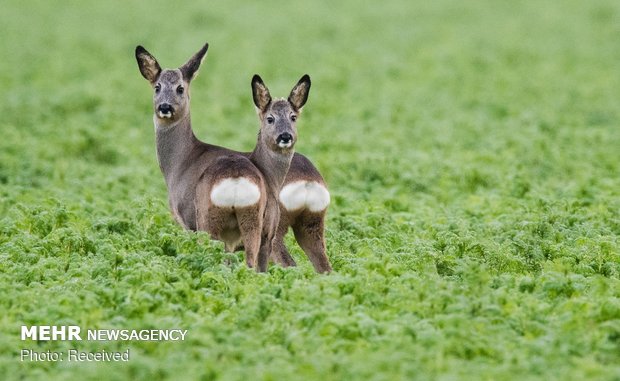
x=175, y=143
x=273, y=165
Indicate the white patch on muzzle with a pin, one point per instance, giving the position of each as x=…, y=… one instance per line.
x=164, y=115
x=285, y=145
x=236, y=192
x=304, y=195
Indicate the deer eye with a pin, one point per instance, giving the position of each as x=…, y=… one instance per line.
x=293, y=117
x=270, y=119
x=180, y=90
x=157, y=88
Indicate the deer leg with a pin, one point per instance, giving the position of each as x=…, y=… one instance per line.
x=309, y=232
x=270, y=225
x=250, y=226
x=209, y=221
x=263, y=253
x=279, y=253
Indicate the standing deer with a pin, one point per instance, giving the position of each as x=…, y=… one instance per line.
x=278, y=117
x=303, y=198
x=214, y=189
x=210, y=188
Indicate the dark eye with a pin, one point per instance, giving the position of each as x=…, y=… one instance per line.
x=270, y=119
x=157, y=88
x=180, y=90
x=293, y=117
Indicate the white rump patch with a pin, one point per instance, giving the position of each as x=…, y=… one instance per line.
x=235, y=192
x=304, y=195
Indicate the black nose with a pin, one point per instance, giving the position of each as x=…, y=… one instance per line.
x=165, y=108
x=284, y=138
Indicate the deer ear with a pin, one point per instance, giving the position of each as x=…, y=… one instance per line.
x=260, y=93
x=299, y=94
x=148, y=65
x=190, y=68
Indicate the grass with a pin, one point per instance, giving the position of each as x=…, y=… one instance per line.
x=471, y=149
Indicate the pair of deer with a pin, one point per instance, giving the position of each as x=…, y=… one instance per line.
x=240, y=198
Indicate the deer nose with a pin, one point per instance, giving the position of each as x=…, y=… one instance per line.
x=165, y=109
x=284, y=140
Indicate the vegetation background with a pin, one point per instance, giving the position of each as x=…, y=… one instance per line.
x=472, y=152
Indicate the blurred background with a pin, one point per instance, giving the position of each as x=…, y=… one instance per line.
x=473, y=93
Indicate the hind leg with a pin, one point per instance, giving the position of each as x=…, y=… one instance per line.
x=309, y=232
x=279, y=253
x=221, y=224
x=211, y=220
x=250, y=226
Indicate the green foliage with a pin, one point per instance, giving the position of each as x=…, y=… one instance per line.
x=471, y=150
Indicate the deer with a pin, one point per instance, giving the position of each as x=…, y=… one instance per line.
x=278, y=117
x=303, y=196
x=210, y=188
x=237, y=194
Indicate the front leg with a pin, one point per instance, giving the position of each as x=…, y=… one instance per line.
x=279, y=253
x=270, y=225
x=263, y=253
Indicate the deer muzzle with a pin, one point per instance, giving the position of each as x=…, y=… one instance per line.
x=284, y=140
x=165, y=110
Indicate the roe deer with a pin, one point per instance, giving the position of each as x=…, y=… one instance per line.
x=210, y=188
x=278, y=118
x=184, y=161
x=303, y=196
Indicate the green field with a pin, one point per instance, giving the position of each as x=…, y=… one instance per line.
x=472, y=150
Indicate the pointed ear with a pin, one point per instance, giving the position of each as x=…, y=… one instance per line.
x=148, y=65
x=260, y=93
x=299, y=94
x=190, y=68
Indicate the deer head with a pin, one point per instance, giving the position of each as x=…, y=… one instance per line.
x=170, y=86
x=278, y=117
